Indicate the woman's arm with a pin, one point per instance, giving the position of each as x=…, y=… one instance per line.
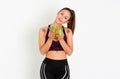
x=68, y=47
x=44, y=47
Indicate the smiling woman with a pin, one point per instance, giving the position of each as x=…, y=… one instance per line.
x=56, y=42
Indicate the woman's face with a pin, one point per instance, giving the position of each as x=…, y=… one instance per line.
x=63, y=16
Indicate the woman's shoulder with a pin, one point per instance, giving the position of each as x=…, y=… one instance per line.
x=68, y=30
x=43, y=29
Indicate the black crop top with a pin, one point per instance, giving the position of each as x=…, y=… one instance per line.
x=55, y=44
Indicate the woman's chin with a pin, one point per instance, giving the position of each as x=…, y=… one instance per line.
x=58, y=22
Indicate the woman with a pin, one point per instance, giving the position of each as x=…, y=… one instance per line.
x=56, y=42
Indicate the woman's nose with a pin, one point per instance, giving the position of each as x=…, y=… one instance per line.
x=62, y=18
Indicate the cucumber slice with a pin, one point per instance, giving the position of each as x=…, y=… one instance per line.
x=53, y=29
x=59, y=31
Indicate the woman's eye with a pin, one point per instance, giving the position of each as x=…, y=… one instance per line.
x=61, y=13
x=65, y=17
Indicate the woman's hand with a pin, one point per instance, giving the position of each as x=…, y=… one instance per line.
x=52, y=35
x=61, y=36
x=55, y=36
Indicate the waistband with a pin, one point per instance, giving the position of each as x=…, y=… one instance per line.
x=50, y=61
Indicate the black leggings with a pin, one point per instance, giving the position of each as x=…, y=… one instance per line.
x=54, y=69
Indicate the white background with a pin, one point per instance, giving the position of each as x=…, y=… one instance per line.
x=96, y=52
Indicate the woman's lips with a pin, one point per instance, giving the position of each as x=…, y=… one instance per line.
x=59, y=19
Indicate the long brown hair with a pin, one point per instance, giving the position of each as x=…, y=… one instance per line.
x=71, y=23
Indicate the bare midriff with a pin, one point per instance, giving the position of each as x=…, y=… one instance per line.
x=57, y=55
